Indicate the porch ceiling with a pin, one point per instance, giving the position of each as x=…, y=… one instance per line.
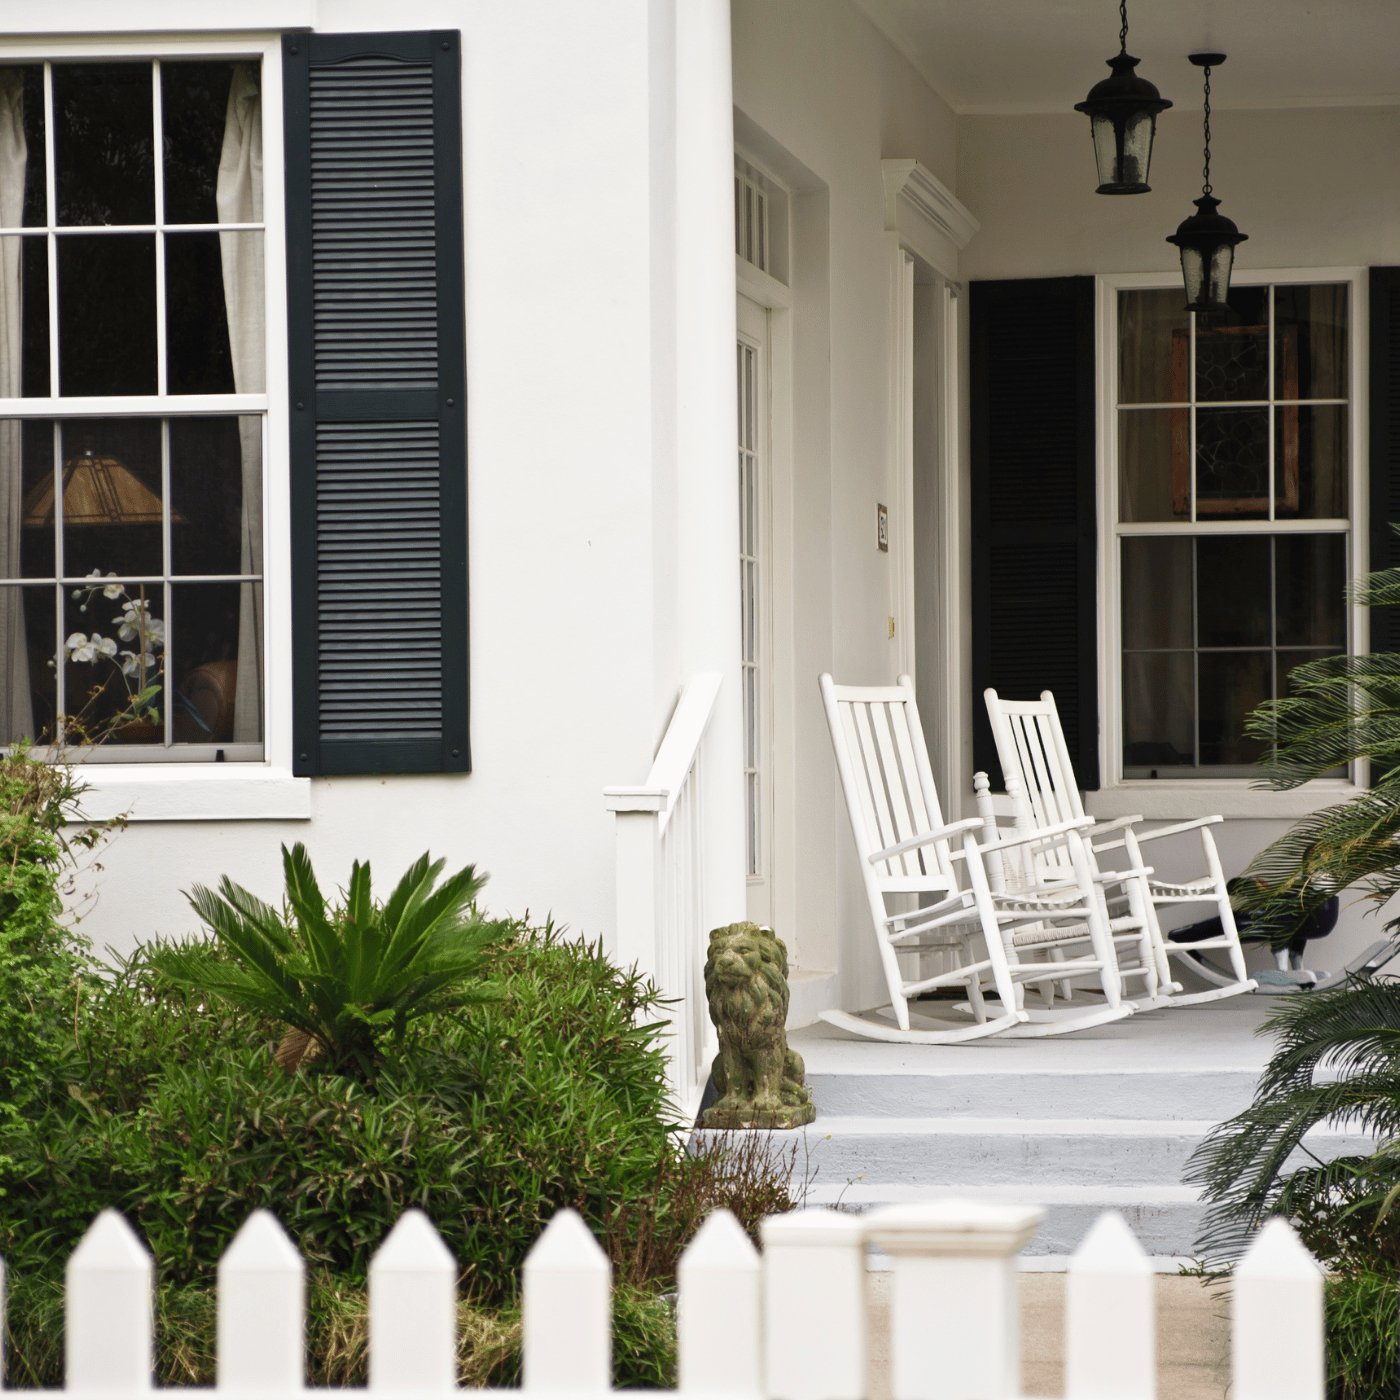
x=1007, y=56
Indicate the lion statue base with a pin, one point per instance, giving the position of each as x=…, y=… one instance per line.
x=758, y=1078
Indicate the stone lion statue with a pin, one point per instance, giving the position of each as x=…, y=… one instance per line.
x=758, y=1078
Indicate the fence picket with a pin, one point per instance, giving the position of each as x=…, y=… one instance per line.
x=568, y=1310
x=109, y=1320
x=954, y=1311
x=262, y=1309
x=814, y=1306
x=1110, y=1327
x=1277, y=1341
x=413, y=1309
x=719, y=1318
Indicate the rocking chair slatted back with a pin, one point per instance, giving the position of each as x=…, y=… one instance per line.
x=884, y=771
x=1031, y=747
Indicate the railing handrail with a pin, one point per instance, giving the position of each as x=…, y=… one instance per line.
x=676, y=755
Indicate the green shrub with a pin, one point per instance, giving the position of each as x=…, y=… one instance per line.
x=1363, y=1335
x=173, y=1109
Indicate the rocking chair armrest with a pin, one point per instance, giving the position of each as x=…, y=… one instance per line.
x=1115, y=824
x=1175, y=829
x=1116, y=877
x=925, y=838
x=1039, y=833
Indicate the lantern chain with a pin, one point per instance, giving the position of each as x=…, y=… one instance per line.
x=1123, y=26
x=1205, y=170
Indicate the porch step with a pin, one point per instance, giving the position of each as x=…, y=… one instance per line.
x=1028, y=1152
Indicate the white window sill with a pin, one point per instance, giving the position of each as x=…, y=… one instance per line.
x=1160, y=800
x=193, y=792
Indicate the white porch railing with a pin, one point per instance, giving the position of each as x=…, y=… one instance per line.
x=662, y=901
x=793, y=1325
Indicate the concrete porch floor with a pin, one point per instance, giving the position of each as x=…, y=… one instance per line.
x=1097, y=1120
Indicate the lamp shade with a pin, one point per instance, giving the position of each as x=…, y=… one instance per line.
x=1122, y=111
x=97, y=490
x=1207, y=243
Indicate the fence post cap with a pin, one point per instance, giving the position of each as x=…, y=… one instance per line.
x=1110, y=1247
x=110, y=1246
x=813, y=1228
x=413, y=1246
x=261, y=1246
x=953, y=1227
x=720, y=1245
x=567, y=1245
x=1278, y=1252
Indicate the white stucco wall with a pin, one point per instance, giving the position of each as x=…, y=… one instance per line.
x=1302, y=184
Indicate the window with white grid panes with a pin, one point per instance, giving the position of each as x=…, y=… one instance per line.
x=133, y=413
x=751, y=584
x=1233, y=459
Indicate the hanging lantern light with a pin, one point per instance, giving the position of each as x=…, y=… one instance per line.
x=1122, y=112
x=1207, y=240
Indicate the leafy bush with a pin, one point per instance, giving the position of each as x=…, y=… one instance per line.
x=339, y=976
x=490, y=1118
x=1363, y=1335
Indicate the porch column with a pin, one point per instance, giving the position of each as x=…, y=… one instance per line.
x=707, y=493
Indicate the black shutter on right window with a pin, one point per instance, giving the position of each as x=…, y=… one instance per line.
x=378, y=403
x=1034, y=561
x=1385, y=443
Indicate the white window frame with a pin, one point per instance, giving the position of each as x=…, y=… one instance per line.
x=210, y=791
x=1177, y=797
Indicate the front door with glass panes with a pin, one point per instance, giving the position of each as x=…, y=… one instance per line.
x=134, y=403
x=755, y=429
x=1233, y=521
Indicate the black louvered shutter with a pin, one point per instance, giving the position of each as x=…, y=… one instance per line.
x=1034, y=584
x=377, y=377
x=1385, y=443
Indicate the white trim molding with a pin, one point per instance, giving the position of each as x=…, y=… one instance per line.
x=925, y=213
x=184, y=792
x=90, y=18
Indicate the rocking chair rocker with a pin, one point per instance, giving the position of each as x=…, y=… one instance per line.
x=992, y=936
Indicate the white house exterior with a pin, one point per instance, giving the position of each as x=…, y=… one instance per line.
x=903, y=152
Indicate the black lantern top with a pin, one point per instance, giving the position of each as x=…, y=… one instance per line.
x=1207, y=240
x=1122, y=111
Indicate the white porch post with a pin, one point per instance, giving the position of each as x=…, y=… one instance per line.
x=707, y=494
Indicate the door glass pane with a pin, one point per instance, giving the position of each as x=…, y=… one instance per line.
x=1153, y=346
x=103, y=117
x=1232, y=589
x=1154, y=446
x=107, y=314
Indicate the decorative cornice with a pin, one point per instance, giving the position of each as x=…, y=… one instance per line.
x=915, y=199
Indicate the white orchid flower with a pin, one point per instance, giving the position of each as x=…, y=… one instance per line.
x=77, y=647
x=155, y=632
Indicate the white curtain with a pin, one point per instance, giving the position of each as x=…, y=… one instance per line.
x=240, y=201
x=16, y=711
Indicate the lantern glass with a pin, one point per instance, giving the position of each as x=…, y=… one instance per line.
x=1193, y=276
x=1222, y=259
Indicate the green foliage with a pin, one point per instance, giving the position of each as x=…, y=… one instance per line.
x=43, y=964
x=490, y=1118
x=1363, y=1335
x=344, y=975
x=1340, y=708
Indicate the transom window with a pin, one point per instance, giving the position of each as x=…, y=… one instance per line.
x=132, y=407
x=1233, y=459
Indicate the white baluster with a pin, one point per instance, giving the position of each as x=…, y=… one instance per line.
x=568, y=1310
x=954, y=1316
x=262, y=1309
x=1110, y=1328
x=1277, y=1343
x=814, y=1306
x=413, y=1309
x=720, y=1327
x=109, y=1318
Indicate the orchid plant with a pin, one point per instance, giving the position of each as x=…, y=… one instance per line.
x=138, y=663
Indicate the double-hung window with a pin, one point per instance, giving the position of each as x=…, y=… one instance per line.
x=133, y=405
x=1231, y=488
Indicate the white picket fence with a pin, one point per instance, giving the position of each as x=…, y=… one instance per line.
x=791, y=1325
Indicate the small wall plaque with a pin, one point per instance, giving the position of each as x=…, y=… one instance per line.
x=882, y=528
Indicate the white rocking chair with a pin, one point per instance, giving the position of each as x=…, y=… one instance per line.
x=1031, y=747
x=905, y=852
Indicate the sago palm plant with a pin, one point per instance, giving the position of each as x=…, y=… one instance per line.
x=340, y=976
